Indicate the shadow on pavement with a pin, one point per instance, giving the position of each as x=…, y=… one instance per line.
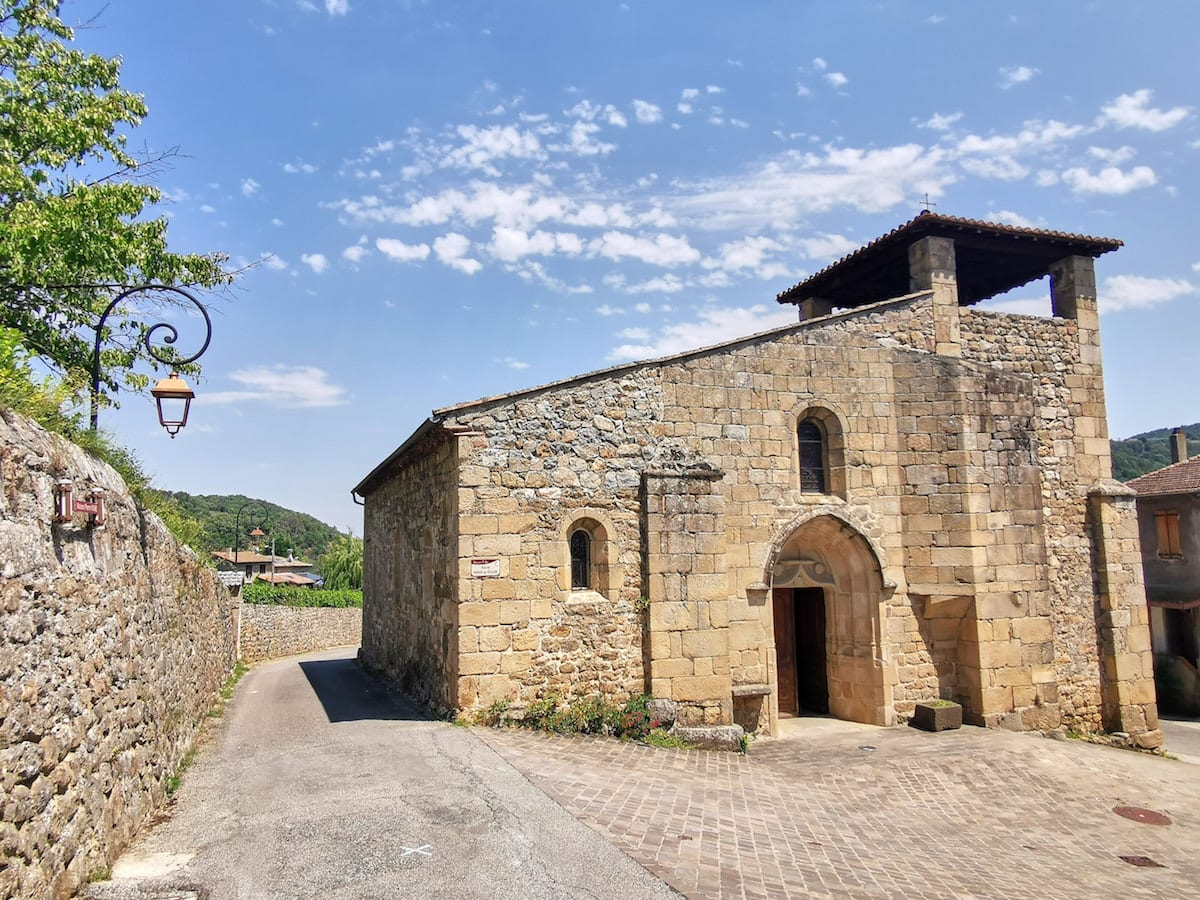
x=349, y=694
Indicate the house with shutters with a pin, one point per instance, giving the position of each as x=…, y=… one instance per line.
x=1168, y=505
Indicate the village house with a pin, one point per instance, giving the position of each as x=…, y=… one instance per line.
x=901, y=497
x=1168, y=505
x=255, y=566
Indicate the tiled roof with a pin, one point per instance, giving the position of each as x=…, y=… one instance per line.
x=1178, y=478
x=1011, y=254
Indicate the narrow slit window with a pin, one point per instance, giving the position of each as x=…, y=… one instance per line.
x=812, y=457
x=1168, y=534
x=581, y=560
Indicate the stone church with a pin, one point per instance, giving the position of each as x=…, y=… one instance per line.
x=901, y=497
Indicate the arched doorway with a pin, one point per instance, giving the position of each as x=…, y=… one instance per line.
x=827, y=593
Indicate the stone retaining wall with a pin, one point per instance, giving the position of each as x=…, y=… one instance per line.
x=114, y=643
x=269, y=632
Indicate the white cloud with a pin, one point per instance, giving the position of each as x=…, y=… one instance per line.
x=661, y=250
x=689, y=93
x=1008, y=217
x=512, y=363
x=249, y=187
x=795, y=184
x=1196, y=267
x=605, y=310
x=803, y=90
x=1139, y=292
x=299, y=167
x=207, y=208
x=272, y=261
x=1033, y=306
x=315, y=261
x=355, y=253
x=643, y=308
x=819, y=64
x=684, y=109
x=713, y=89
x=451, y=250
x=939, y=122
x=666, y=284
x=292, y=387
x=1131, y=111
x=647, y=113
x=634, y=334
x=837, y=80
x=1013, y=75
x=401, y=252
x=1112, y=157
x=337, y=7
x=511, y=244
x=1109, y=180
x=277, y=222
x=715, y=326
x=481, y=147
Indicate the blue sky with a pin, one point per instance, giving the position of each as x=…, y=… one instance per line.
x=448, y=200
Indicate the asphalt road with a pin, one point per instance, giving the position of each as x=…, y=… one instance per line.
x=319, y=783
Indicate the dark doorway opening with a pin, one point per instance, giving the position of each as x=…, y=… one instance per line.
x=800, y=650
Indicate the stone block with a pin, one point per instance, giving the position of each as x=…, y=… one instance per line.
x=517, y=661
x=494, y=637
x=478, y=613
x=712, y=642
x=479, y=663
x=514, y=612
x=696, y=688
x=672, y=616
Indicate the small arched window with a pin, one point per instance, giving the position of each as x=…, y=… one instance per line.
x=581, y=560
x=811, y=438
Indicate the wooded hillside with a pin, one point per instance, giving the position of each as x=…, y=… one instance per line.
x=1146, y=452
x=305, y=536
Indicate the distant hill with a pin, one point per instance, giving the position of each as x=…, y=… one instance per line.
x=299, y=532
x=1144, y=453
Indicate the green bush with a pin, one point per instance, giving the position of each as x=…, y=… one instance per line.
x=586, y=715
x=260, y=592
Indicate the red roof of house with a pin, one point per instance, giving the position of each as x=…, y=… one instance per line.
x=1178, y=478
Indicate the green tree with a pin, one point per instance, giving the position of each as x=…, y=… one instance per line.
x=75, y=225
x=342, y=563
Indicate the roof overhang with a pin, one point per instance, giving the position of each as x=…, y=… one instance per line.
x=991, y=258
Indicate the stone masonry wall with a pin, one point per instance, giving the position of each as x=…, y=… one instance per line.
x=116, y=642
x=269, y=631
x=1047, y=350
x=410, y=611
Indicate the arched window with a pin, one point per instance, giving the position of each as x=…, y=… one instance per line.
x=581, y=560
x=811, y=439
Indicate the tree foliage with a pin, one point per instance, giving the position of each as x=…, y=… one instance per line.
x=74, y=201
x=342, y=563
x=304, y=535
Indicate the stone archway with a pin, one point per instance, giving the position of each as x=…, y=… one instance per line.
x=827, y=552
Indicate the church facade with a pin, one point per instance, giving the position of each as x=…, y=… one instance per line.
x=901, y=497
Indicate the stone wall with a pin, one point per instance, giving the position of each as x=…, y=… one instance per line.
x=269, y=631
x=116, y=642
x=410, y=574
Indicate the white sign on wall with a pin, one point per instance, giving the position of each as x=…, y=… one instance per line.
x=485, y=568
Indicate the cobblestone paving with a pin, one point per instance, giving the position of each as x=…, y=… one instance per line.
x=842, y=810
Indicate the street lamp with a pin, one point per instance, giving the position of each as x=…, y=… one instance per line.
x=237, y=526
x=173, y=389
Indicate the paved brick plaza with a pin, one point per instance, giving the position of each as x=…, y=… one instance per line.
x=972, y=813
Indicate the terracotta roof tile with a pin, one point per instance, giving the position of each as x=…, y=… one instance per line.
x=1178, y=478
